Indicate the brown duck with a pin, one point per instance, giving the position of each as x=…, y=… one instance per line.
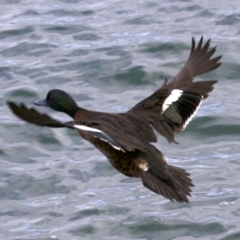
x=125, y=138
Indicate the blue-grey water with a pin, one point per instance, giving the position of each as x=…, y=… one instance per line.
x=108, y=55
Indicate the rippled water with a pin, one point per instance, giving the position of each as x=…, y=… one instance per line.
x=108, y=55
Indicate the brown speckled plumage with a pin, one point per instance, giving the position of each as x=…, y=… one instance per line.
x=125, y=138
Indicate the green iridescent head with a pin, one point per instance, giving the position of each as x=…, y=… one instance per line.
x=59, y=101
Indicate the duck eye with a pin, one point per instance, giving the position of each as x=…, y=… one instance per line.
x=49, y=97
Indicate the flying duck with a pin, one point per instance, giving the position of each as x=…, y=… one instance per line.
x=125, y=138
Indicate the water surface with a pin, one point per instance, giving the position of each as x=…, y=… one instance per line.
x=109, y=55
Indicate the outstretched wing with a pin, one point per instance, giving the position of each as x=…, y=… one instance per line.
x=115, y=130
x=31, y=115
x=96, y=133
x=199, y=62
x=174, y=104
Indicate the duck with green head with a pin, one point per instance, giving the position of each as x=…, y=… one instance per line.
x=125, y=138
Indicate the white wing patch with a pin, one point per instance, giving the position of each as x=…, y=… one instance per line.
x=85, y=128
x=191, y=117
x=173, y=97
x=94, y=132
x=115, y=147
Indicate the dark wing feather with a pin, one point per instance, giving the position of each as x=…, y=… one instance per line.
x=96, y=133
x=116, y=127
x=140, y=125
x=202, y=88
x=150, y=109
x=31, y=115
x=199, y=62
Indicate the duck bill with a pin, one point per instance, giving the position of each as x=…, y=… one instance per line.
x=41, y=103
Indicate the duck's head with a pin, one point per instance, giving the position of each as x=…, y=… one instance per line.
x=60, y=101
